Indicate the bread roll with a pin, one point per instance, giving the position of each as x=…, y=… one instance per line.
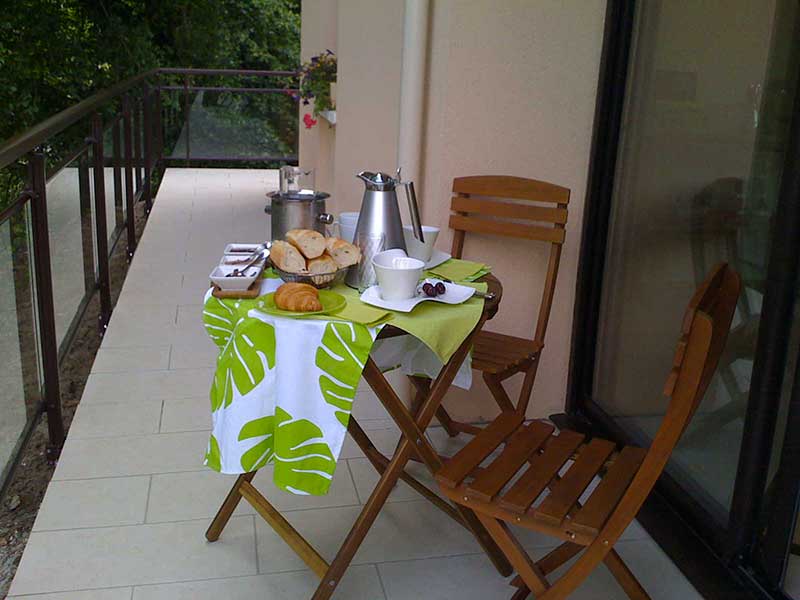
x=286, y=257
x=344, y=253
x=297, y=297
x=311, y=243
x=322, y=265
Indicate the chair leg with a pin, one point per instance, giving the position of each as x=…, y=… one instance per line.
x=527, y=386
x=558, y=557
x=522, y=593
x=624, y=577
x=498, y=393
x=422, y=386
x=531, y=574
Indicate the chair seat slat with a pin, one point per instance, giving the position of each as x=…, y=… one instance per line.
x=566, y=492
x=543, y=468
x=519, y=448
x=478, y=448
x=604, y=499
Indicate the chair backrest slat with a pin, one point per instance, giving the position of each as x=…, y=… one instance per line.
x=518, y=230
x=509, y=210
x=504, y=186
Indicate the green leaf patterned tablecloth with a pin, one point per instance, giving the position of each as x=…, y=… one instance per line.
x=282, y=391
x=283, y=388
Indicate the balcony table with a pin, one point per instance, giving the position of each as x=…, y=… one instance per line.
x=413, y=445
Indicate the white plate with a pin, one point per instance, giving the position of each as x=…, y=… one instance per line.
x=437, y=257
x=455, y=294
x=241, y=248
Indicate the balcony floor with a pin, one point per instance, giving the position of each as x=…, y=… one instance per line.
x=126, y=512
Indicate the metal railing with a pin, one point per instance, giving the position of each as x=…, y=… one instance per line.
x=133, y=130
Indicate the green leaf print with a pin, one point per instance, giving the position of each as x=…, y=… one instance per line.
x=240, y=362
x=218, y=319
x=213, y=457
x=303, y=461
x=342, y=355
x=260, y=454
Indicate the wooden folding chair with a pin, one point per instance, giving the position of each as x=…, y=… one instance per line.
x=510, y=207
x=560, y=467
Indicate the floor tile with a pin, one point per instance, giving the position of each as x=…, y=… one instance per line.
x=133, y=555
x=132, y=455
x=106, y=420
x=106, y=594
x=366, y=478
x=359, y=583
x=186, y=414
x=385, y=439
x=149, y=385
x=402, y=531
x=464, y=577
x=131, y=359
x=199, y=494
x=93, y=503
x=193, y=356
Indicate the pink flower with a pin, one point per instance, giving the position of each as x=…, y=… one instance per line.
x=309, y=121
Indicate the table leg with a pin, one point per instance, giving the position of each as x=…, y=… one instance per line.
x=228, y=506
x=381, y=462
x=413, y=442
x=413, y=430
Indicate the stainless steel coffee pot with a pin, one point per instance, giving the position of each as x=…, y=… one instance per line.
x=379, y=225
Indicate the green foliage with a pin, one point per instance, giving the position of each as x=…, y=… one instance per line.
x=316, y=77
x=54, y=53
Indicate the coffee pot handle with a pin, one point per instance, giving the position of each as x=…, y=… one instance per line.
x=413, y=209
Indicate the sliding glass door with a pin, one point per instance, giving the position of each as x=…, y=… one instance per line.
x=696, y=160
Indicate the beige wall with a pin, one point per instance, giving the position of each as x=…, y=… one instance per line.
x=368, y=94
x=511, y=90
x=317, y=34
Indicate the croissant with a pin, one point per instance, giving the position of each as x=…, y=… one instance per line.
x=297, y=297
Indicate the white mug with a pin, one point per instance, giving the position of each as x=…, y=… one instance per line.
x=398, y=275
x=417, y=249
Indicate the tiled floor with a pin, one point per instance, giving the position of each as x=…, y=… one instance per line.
x=125, y=514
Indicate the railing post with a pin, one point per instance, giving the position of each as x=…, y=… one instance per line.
x=186, y=120
x=116, y=164
x=137, y=144
x=100, y=223
x=147, y=112
x=87, y=236
x=45, y=305
x=128, y=149
x=159, y=125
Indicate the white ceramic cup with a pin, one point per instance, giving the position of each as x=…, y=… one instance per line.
x=347, y=225
x=417, y=249
x=398, y=274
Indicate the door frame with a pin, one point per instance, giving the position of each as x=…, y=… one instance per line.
x=731, y=544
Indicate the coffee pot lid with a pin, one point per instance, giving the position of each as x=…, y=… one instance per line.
x=377, y=181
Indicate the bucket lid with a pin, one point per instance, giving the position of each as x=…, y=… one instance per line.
x=298, y=197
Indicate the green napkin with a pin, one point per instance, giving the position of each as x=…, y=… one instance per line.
x=459, y=270
x=355, y=310
x=269, y=273
x=442, y=327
